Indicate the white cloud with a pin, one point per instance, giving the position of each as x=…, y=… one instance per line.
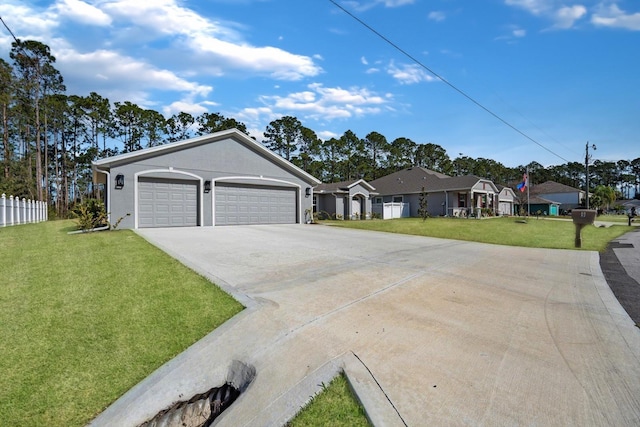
x=364, y=61
x=195, y=109
x=255, y=118
x=82, y=12
x=565, y=17
x=613, y=16
x=397, y=3
x=272, y=61
x=166, y=16
x=318, y=103
x=213, y=42
x=327, y=135
x=26, y=22
x=409, y=73
x=115, y=70
x=437, y=16
x=536, y=7
x=562, y=16
x=515, y=32
x=364, y=6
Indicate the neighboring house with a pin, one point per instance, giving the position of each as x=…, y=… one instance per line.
x=446, y=195
x=225, y=178
x=506, y=200
x=346, y=199
x=567, y=197
x=539, y=204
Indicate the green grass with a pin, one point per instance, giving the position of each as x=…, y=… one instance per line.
x=334, y=406
x=85, y=317
x=623, y=219
x=535, y=233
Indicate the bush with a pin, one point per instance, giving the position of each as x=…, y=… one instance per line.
x=91, y=214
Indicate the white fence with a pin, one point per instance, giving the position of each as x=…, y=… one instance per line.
x=391, y=210
x=16, y=211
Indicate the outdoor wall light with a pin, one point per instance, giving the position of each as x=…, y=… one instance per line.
x=307, y=192
x=207, y=186
x=119, y=181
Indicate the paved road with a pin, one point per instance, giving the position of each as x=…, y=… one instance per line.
x=433, y=332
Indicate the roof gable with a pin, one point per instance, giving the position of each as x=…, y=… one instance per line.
x=234, y=134
x=342, y=186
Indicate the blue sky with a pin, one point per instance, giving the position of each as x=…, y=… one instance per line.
x=562, y=72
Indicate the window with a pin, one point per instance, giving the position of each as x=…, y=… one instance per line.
x=377, y=200
x=462, y=200
x=315, y=202
x=397, y=199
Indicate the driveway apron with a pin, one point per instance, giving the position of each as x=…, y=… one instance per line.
x=451, y=332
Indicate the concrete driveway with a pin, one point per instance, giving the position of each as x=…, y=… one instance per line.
x=430, y=331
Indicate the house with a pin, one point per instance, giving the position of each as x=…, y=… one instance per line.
x=346, y=199
x=567, y=197
x=540, y=206
x=224, y=178
x=445, y=195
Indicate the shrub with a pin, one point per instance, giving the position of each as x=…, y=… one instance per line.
x=91, y=214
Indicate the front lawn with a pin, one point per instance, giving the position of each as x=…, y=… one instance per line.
x=85, y=317
x=511, y=231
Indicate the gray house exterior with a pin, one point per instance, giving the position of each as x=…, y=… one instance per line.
x=346, y=199
x=224, y=178
x=565, y=196
x=446, y=195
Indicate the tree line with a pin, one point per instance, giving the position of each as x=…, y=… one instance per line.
x=49, y=139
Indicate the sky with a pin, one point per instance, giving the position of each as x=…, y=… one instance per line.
x=511, y=80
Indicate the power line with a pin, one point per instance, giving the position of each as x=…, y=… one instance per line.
x=9, y=29
x=445, y=81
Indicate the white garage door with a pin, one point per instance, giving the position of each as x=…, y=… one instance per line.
x=243, y=204
x=505, y=208
x=167, y=203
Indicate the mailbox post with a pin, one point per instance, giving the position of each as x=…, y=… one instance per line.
x=582, y=217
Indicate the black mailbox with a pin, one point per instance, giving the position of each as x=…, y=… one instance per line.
x=583, y=216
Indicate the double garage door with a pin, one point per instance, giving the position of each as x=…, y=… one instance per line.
x=174, y=203
x=245, y=204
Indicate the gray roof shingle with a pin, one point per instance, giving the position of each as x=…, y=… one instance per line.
x=412, y=180
x=551, y=187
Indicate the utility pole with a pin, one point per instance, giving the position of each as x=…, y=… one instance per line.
x=586, y=166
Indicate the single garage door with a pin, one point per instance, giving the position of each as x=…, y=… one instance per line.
x=167, y=203
x=505, y=208
x=244, y=204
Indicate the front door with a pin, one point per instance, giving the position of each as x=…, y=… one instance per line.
x=356, y=208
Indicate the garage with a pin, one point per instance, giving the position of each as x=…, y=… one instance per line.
x=505, y=208
x=239, y=204
x=167, y=203
x=223, y=178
